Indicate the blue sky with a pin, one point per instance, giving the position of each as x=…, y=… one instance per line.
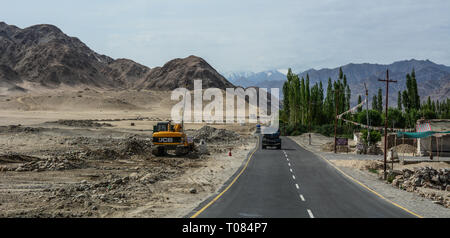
x=249, y=35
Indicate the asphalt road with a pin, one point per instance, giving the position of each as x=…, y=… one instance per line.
x=295, y=183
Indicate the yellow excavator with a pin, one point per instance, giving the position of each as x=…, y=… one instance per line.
x=168, y=137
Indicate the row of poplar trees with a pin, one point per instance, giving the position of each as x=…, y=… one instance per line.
x=307, y=105
x=304, y=105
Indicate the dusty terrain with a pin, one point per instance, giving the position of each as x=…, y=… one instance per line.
x=87, y=153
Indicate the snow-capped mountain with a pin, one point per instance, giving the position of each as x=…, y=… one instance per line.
x=248, y=79
x=433, y=79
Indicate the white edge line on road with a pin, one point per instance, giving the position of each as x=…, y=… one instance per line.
x=296, y=185
x=302, y=198
x=291, y=171
x=310, y=214
x=250, y=156
x=289, y=164
x=356, y=181
x=293, y=177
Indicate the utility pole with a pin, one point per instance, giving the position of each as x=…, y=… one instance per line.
x=367, y=114
x=386, y=118
x=335, y=119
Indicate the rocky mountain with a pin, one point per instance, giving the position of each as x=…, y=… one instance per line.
x=43, y=56
x=433, y=79
x=181, y=72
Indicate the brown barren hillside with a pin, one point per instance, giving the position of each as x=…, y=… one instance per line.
x=43, y=57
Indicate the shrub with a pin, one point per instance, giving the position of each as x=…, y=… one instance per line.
x=374, y=137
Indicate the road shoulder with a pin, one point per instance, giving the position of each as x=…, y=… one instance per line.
x=199, y=209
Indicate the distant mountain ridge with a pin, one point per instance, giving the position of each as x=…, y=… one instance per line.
x=433, y=79
x=43, y=56
x=249, y=79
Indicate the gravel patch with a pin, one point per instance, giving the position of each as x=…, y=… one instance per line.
x=413, y=202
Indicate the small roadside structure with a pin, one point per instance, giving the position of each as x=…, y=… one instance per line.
x=433, y=137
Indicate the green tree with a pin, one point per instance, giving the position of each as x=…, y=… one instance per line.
x=395, y=118
x=329, y=102
x=375, y=103
x=415, y=92
x=307, y=99
x=285, y=111
x=399, y=101
x=405, y=100
x=374, y=137
x=359, y=102
x=380, y=101
x=375, y=118
x=303, y=101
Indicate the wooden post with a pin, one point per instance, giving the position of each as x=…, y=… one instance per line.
x=386, y=118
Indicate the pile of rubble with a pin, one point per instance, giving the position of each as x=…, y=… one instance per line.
x=82, y=123
x=19, y=129
x=211, y=134
x=405, y=148
x=329, y=147
x=101, y=154
x=110, y=191
x=425, y=177
x=133, y=146
x=16, y=158
x=370, y=150
x=53, y=164
x=121, y=150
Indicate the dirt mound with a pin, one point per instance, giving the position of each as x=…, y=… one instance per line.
x=54, y=164
x=122, y=150
x=405, y=148
x=211, y=134
x=18, y=129
x=102, y=154
x=82, y=123
x=134, y=146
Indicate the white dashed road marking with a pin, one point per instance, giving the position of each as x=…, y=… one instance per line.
x=296, y=185
x=310, y=214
